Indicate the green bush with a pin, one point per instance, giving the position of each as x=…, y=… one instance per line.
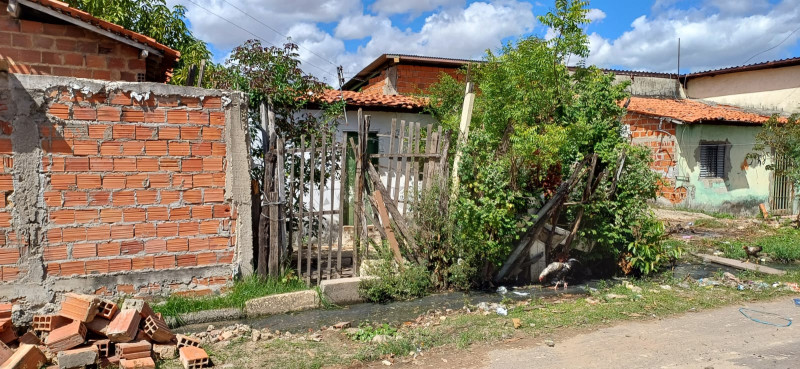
x=783, y=247
x=392, y=283
x=366, y=332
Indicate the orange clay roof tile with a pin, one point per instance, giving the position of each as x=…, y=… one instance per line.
x=693, y=111
x=83, y=16
x=361, y=99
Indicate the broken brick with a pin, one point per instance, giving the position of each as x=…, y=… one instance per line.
x=144, y=363
x=165, y=352
x=46, y=323
x=7, y=332
x=78, y=358
x=29, y=338
x=124, y=326
x=66, y=337
x=26, y=357
x=98, y=325
x=184, y=341
x=139, y=305
x=79, y=307
x=107, y=309
x=5, y=352
x=134, y=350
x=5, y=310
x=193, y=357
x=156, y=328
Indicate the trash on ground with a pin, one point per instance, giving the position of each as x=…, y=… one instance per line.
x=797, y=302
x=521, y=293
x=767, y=318
x=502, y=311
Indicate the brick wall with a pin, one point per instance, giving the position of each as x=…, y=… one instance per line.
x=659, y=136
x=411, y=79
x=132, y=185
x=65, y=50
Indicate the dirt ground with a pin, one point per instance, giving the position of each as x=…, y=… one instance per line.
x=718, y=339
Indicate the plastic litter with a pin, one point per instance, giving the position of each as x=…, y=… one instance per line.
x=747, y=313
x=797, y=302
x=521, y=293
x=502, y=311
x=502, y=290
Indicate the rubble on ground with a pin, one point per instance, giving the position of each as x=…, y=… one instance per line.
x=89, y=331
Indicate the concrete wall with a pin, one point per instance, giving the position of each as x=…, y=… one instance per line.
x=65, y=50
x=776, y=89
x=652, y=86
x=120, y=188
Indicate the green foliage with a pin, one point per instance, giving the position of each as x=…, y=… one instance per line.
x=243, y=290
x=446, y=100
x=394, y=283
x=780, y=139
x=156, y=19
x=367, y=332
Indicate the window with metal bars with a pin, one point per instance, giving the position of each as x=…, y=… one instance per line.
x=712, y=160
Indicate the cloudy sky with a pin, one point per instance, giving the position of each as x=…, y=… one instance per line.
x=624, y=34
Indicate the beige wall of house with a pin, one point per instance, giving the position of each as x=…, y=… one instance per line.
x=776, y=89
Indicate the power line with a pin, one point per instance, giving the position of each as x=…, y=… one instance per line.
x=779, y=44
x=254, y=35
x=278, y=32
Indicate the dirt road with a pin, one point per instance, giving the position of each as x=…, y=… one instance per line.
x=718, y=339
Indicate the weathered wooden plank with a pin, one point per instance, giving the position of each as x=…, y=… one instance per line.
x=425, y=163
x=330, y=219
x=412, y=136
x=313, y=164
x=274, y=247
x=301, y=200
x=290, y=204
x=321, y=207
x=280, y=185
x=415, y=168
x=342, y=184
x=387, y=227
x=411, y=156
x=400, y=162
x=740, y=265
x=399, y=220
x=391, y=148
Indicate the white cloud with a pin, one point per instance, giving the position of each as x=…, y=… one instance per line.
x=709, y=37
x=360, y=26
x=596, y=15
x=389, y=7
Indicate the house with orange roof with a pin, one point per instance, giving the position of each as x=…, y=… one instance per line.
x=48, y=37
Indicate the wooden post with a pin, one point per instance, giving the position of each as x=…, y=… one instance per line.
x=358, y=199
x=301, y=200
x=280, y=185
x=321, y=217
x=342, y=184
x=387, y=227
x=200, y=73
x=463, y=133
x=313, y=165
x=274, y=247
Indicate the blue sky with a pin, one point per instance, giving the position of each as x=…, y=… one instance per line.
x=638, y=35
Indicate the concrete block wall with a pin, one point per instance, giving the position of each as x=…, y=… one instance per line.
x=659, y=135
x=120, y=188
x=65, y=50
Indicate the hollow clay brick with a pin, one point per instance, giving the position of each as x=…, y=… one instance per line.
x=124, y=326
x=184, y=341
x=107, y=309
x=139, y=305
x=134, y=350
x=29, y=338
x=5, y=352
x=5, y=310
x=98, y=325
x=156, y=328
x=66, y=337
x=193, y=357
x=145, y=363
x=79, y=307
x=46, y=323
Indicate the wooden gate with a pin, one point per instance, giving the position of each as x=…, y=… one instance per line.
x=782, y=193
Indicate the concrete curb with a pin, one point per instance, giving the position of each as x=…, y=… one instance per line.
x=205, y=316
x=282, y=303
x=342, y=291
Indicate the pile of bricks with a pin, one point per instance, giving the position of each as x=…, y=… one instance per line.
x=89, y=332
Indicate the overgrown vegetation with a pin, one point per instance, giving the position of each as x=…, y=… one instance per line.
x=779, y=140
x=393, y=282
x=367, y=332
x=242, y=290
x=533, y=119
x=783, y=246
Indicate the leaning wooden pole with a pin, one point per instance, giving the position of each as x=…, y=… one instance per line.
x=358, y=206
x=463, y=133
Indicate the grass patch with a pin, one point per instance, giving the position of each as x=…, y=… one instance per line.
x=243, y=290
x=715, y=214
x=782, y=246
x=709, y=223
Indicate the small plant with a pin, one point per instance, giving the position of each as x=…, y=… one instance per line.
x=393, y=283
x=366, y=332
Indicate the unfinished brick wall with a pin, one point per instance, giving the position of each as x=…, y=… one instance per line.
x=135, y=186
x=65, y=50
x=658, y=135
x=411, y=79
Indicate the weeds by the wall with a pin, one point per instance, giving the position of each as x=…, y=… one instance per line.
x=394, y=283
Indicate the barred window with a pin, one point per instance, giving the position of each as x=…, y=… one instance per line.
x=712, y=160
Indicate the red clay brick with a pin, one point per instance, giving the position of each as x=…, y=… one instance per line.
x=134, y=350
x=26, y=357
x=119, y=265
x=79, y=307
x=124, y=198
x=193, y=357
x=143, y=363
x=131, y=247
x=155, y=246
x=55, y=253
x=47, y=323
x=84, y=250
x=66, y=337
x=124, y=326
x=177, y=245
x=164, y=262
x=143, y=262
x=88, y=181
x=109, y=249
x=146, y=197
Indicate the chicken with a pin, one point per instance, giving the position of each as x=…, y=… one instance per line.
x=558, y=272
x=751, y=251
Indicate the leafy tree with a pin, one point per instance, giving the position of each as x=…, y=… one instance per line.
x=155, y=19
x=533, y=118
x=780, y=140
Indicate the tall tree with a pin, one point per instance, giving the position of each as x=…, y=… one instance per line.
x=157, y=20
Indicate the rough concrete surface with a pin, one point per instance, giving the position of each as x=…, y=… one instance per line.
x=283, y=303
x=719, y=339
x=206, y=316
x=341, y=291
